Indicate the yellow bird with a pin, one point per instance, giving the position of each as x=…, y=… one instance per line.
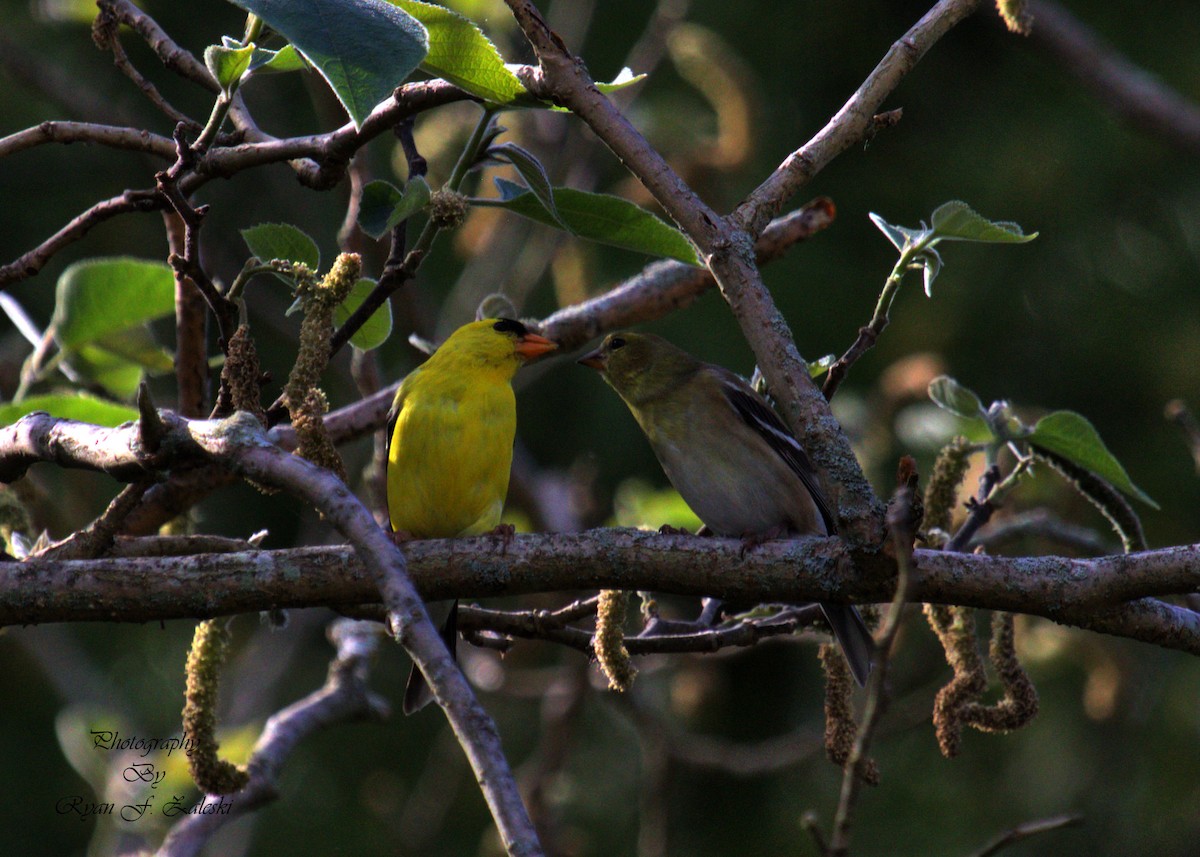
x=727, y=453
x=450, y=442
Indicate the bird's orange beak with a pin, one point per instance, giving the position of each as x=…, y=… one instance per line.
x=531, y=345
x=593, y=360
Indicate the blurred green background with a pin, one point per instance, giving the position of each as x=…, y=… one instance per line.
x=706, y=756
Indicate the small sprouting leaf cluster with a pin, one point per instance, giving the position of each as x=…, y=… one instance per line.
x=1063, y=433
x=951, y=221
x=383, y=206
x=284, y=243
x=1064, y=440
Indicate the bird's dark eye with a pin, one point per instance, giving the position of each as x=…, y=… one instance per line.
x=507, y=325
x=615, y=343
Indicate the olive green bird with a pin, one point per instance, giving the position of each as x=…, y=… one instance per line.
x=728, y=454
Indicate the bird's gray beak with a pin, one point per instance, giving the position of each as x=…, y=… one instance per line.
x=593, y=360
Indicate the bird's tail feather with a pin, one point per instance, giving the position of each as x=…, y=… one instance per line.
x=417, y=693
x=853, y=636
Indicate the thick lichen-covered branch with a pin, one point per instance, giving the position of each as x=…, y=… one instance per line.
x=1112, y=595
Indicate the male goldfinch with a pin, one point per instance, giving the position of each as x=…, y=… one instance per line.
x=450, y=442
x=728, y=454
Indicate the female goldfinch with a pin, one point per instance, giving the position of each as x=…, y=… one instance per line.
x=727, y=453
x=450, y=441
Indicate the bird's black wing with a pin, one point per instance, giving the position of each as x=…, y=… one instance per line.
x=761, y=417
x=392, y=416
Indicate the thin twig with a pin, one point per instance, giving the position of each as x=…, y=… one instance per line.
x=124, y=139
x=494, y=629
x=771, y=755
x=869, y=333
x=106, y=34
x=980, y=509
x=98, y=538
x=42, y=72
x=1026, y=830
x=561, y=715
x=364, y=368
x=1042, y=524
x=171, y=55
x=187, y=265
x=856, y=117
x=1140, y=98
x=900, y=525
x=191, y=341
x=28, y=264
x=399, y=268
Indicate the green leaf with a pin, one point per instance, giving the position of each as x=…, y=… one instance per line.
x=363, y=48
x=117, y=374
x=382, y=205
x=228, y=64
x=897, y=235
x=137, y=345
x=931, y=264
x=954, y=397
x=98, y=298
x=533, y=173
x=1071, y=435
x=270, y=241
x=957, y=221
x=818, y=367
x=375, y=206
x=460, y=53
x=83, y=407
x=901, y=236
x=624, y=78
x=621, y=81
x=377, y=328
x=599, y=217
x=283, y=60
x=102, y=307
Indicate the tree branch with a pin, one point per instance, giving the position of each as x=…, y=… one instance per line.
x=1025, y=831
x=191, y=340
x=663, y=287
x=28, y=264
x=856, y=118
x=1113, y=595
x=1137, y=96
x=129, y=139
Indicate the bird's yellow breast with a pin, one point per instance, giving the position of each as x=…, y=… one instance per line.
x=450, y=455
